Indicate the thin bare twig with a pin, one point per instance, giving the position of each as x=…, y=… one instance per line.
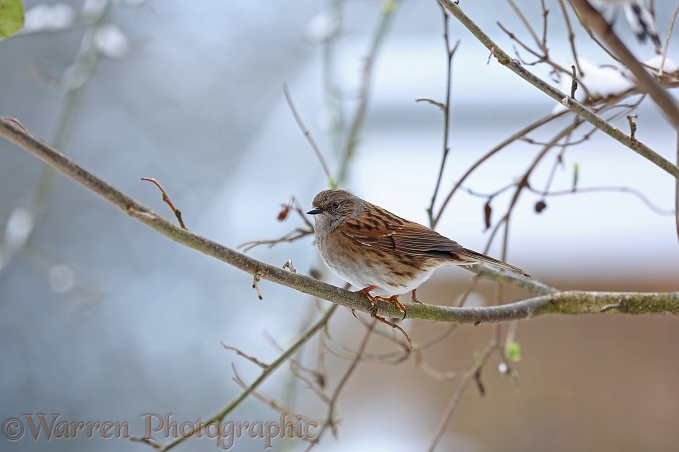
x=523, y=183
x=255, y=284
x=471, y=373
x=404, y=348
x=166, y=198
x=445, y=107
x=667, y=41
x=289, y=266
x=571, y=37
x=356, y=127
x=309, y=137
x=287, y=238
x=525, y=22
x=632, y=125
x=298, y=233
x=543, y=53
x=394, y=326
x=250, y=358
x=643, y=198
x=269, y=401
x=331, y=421
x=529, y=128
x=316, y=385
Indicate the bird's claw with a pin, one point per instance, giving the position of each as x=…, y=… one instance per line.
x=375, y=298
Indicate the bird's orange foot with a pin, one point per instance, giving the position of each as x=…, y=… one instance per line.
x=373, y=299
x=413, y=297
x=373, y=310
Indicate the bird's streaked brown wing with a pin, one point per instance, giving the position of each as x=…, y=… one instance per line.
x=388, y=232
x=385, y=231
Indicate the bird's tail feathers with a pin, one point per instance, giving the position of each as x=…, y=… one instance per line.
x=478, y=257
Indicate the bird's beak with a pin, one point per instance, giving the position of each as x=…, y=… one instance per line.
x=314, y=211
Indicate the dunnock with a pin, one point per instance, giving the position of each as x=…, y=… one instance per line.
x=379, y=252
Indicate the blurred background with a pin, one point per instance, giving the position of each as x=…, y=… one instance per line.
x=102, y=319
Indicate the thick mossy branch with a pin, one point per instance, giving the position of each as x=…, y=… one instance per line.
x=570, y=302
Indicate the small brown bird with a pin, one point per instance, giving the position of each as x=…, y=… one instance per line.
x=379, y=252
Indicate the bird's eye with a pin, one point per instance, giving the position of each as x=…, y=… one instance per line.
x=336, y=205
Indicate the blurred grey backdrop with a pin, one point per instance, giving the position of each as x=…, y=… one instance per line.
x=101, y=319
